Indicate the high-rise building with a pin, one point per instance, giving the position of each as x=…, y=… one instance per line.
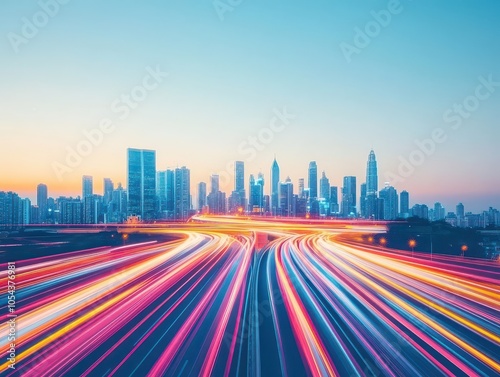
x=216, y=199
x=202, y=195
x=439, y=212
x=88, y=199
x=420, y=210
x=182, y=193
x=108, y=190
x=141, y=183
x=389, y=195
x=87, y=186
x=301, y=188
x=334, y=199
x=460, y=215
x=161, y=194
x=324, y=187
x=119, y=205
x=41, y=202
x=371, y=174
x=286, y=198
x=26, y=211
x=239, y=176
x=169, y=187
x=349, y=197
x=404, y=204
x=370, y=206
x=313, y=180
x=275, y=180
x=362, y=200
x=214, y=183
x=237, y=199
x=256, y=195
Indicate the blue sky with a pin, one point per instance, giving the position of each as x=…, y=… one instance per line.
x=227, y=76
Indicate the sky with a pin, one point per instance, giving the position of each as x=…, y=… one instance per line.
x=206, y=79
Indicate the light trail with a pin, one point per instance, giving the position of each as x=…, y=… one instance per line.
x=313, y=301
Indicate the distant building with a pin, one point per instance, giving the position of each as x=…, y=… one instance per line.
x=41, y=202
x=275, y=181
x=334, y=200
x=348, y=208
x=141, y=183
x=182, y=193
x=256, y=195
x=202, y=195
x=287, y=207
x=389, y=195
x=313, y=180
x=404, y=204
x=237, y=199
x=362, y=201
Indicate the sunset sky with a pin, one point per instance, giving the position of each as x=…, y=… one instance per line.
x=227, y=77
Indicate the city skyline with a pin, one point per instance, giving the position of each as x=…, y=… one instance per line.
x=169, y=194
x=216, y=87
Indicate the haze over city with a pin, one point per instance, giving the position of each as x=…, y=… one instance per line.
x=226, y=76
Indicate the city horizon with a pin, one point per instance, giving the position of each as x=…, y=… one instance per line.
x=239, y=199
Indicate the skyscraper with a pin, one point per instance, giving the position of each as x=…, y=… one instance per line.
x=313, y=180
x=239, y=176
x=301, y=188
x=169, y=187
x=334, y=199
x=238, y=196
x=182, y=193
x=324, y=187
x=161, y=193
x=404, y=204
x=89, y=213
x=202, y=195
x=286, y=198
x=370, y=208
x=389, y=195
x=362, y=200
x=256, y=195
x=87, y=186
x=214, y=183
x=108, y=190
x=349, y=197
x=216, y=199
x=41, y=201
x=371, y=174
x=141, y=183
x=275, y=180
x=439, y=212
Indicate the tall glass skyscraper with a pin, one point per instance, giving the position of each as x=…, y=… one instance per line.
x=182, y=193
x=87, y=186
x=202, y=195
x=275, y=182
x=41, y=201
x=371, y=174
x=349, y=197
x=141, y=183
x=313, y=180
x=370, y=208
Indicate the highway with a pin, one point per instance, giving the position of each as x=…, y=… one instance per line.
x=245, y=297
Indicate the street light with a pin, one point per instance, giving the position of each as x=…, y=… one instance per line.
x=412, y=244
x=383, y=241
x=464, y=248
